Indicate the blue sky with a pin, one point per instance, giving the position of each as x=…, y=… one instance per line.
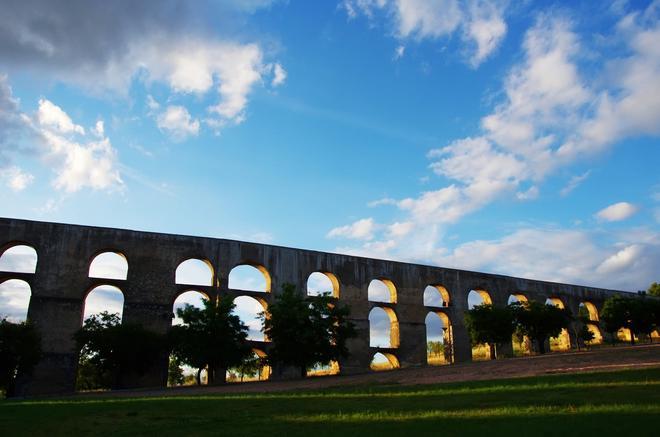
x=511, y=137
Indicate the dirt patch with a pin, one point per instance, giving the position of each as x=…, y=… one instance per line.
x=605, y=359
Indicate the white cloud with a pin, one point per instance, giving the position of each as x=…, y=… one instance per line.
x=574, y=183
x=530, y=194
x=360, y=230
x=623, y=259
x=51, y=117
x=177, y=122
x=15, y=178
x=279, y=75
x=481, y=21
x=617, y=212
x=399, y=52
x=381, y=202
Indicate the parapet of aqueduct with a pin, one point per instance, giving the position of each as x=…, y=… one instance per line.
x=61, y=282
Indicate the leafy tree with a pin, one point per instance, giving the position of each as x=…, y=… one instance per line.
x=654, y=289
x=250, y=366
x=639, y=315
x=20, y=350
x=210, y=337
x=489, y=324
x=307, y=331
x=175, y=372
x=616, y=315
x=584, y=335
x=539, y=321
x=111, y=351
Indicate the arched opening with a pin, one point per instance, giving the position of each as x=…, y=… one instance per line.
x=383, y=328
x=248, y=310
x=109, y=265
x=194, y=271
x=319, y=283
x=384, y=361
x=19, y=259
x=249, y=278
x=436, y=296
x=521, y=344
x=381, y=290
x=563, y=341
x=439, y=344
x=476, y=297
x=192, y=298
x=253, y=369
x=595, y=330
x=14, y=300
x=331, y=368
x=103, y=298
x=588, y=310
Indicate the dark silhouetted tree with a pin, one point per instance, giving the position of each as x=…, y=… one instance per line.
x=112, y=352
x=210, y=337
x=20, y=350
x=654, y=289
x=539, y=321
x=175, y=372
x=306, y=331
x=488, y=324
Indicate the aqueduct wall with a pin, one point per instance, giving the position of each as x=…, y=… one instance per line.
x=60, y=284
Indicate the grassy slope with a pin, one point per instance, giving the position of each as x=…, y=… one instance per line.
x=625, y=403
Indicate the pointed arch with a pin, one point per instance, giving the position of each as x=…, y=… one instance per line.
x=439, y=342
x=191, y=297
x=478, y=296
x=195, y=271
x=591, y=311
x=103, y=298
x=382, y=290
x=322, y=282
x=250, y=277
x=436, y=296
x=15, y=297
x=383, y=328
x=109, y=265
x=522, y=345
x=563, y=341
x=248, y=309
x=383, y=361
x=19, y=258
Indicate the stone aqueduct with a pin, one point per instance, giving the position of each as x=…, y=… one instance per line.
x=61, y=282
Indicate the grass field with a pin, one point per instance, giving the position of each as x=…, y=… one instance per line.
x=624, y=403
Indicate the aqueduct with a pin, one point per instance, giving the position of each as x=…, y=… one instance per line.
x=61, y=281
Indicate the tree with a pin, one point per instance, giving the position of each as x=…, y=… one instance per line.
x=111, y=351
x=20, y=350
x=175, y=372
x=616, y=315
x=250, y=366
x=488, y=324
x=210, y=337
x=654, y=289
x=306, y=331
x=539, y=321
x=584, y=335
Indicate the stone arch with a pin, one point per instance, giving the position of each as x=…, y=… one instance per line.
x=248, y=309
x=195, y=271
x=563, y=341
x=101, y=298
x=332, y=368
x=191, y=297
x=436, y=295
x=15, y=297
x=249, y=277
x=109, y=265
x=322, y=282
x=439, y=342
x=591, y=311
x=382, y=290
x=18, y=258
x=383, y=319
x=478, y=296
x=382, y=361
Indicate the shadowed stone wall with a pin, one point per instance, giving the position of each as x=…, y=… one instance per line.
x=60, y=284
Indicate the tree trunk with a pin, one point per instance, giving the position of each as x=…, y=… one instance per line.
x=632, y=337
x=541, y=344
x=199, y=376
x=493, y=352
x=303, y=372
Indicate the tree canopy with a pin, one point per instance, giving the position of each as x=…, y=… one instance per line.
x=488, y=324
x=539, y=321
x=306, y=331
x=111, y=351
x=211, y=337
x=20, y=350
x=654, y=289
x=641, y=315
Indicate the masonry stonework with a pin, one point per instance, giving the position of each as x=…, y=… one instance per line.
x=60, y=284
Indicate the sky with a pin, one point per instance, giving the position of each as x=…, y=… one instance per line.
x=518, y=138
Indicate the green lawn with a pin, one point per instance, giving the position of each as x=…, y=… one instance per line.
x=625, y=403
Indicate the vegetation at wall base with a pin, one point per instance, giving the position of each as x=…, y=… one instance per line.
x=20, y=350
x=603, y=404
